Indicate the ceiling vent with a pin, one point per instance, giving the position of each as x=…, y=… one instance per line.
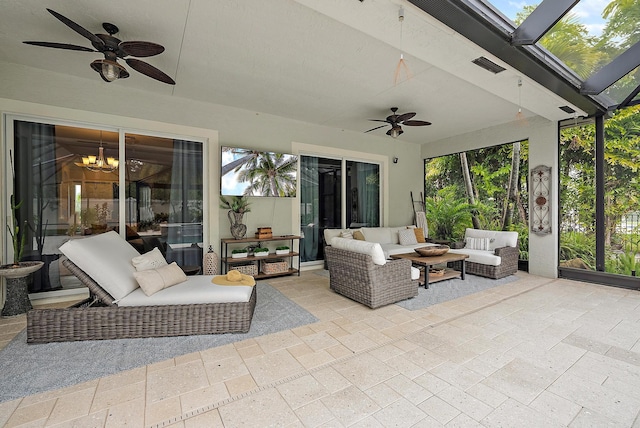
x=567, y=109
x=488, y=65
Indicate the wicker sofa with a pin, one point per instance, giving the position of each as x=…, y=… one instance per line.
x=496, y=255
x=370, y=280
x=192, y=307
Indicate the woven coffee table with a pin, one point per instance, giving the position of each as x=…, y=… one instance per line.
x=428, y=262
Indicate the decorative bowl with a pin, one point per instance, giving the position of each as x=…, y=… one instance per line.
x=433, y=250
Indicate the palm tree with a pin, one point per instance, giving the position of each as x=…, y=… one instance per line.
x=270, y=174
x=249, y=156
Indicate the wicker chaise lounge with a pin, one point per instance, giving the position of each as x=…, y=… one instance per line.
x=100, y=317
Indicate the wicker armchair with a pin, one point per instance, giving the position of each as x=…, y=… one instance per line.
x=355, y=276
x=508, y=253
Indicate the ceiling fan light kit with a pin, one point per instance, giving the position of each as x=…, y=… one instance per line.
x=112, y=48
x=109, y=70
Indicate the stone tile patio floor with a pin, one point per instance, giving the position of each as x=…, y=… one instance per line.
x=531, y=353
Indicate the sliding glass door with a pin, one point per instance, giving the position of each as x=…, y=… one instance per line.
x=325, y=205
x=68, y=180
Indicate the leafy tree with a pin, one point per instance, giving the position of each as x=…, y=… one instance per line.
x=622, y=22
x=481, y=178
x=448, y=214
x=270, y=174
x=570, y=41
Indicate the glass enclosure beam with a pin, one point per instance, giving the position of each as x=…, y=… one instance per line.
x=543, y=17
x=600, y=169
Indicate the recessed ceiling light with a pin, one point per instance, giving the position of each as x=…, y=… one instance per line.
x=567, y=109
x=489, y=65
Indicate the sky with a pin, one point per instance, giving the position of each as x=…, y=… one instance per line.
x=588, y=11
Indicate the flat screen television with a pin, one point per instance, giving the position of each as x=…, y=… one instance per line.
x=248, y=172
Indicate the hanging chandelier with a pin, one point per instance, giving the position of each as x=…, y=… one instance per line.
x=99, y=163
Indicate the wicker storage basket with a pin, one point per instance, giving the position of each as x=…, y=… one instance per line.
x=247, y=269
x=274, y=266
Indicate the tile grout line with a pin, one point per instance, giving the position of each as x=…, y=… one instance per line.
x=195, y=412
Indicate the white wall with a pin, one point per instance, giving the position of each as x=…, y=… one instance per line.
x=30, y=91
x=543, y=150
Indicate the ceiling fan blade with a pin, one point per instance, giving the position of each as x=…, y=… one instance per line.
x=416, y=123
x=77, y=28
x=373, y=129
x=378, y=120
x=405, y=116
x=149, y=70
x=61, y=46
x=141, y=49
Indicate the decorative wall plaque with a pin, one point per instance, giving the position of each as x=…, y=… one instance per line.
x=541, y=200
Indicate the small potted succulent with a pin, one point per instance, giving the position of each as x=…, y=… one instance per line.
x=260, y=251
x=283, y=249
x=239, y=253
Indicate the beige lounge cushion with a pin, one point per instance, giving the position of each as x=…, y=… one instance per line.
x=150, y=260
x=363, y=247
x=483, y=257
x=357, y=234
x=153, y=280
x=106, y=258
x=195, y=290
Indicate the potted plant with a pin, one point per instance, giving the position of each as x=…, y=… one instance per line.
x=260, y=251
x=239, y=253
x=237, y=206
x=283, y=249
x=17, y=296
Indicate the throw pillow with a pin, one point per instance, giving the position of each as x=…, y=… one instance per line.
x=151, y=260
x=153, y=280
x=346, y=234
x=477, y=243
x=407, y=237
x=358, y=235
x=419, y=235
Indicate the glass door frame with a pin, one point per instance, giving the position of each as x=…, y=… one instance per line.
x=8, y=138
x=345, y=155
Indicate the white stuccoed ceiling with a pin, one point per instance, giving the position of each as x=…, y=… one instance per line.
x=328, y=62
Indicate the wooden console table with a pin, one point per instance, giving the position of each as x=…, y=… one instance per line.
x=227, y=261
x=428, y=262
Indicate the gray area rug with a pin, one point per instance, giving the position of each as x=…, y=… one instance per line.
x=31, y=369
x=444, y=291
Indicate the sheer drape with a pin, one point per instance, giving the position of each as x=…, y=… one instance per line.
x=309, y=208
x=36, y=185
x=186, y=199
x=369, y=193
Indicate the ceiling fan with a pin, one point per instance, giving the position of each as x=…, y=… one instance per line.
x=112, y=48
x=396, y=120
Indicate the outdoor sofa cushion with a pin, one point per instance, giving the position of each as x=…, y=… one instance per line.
x=363, y=247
